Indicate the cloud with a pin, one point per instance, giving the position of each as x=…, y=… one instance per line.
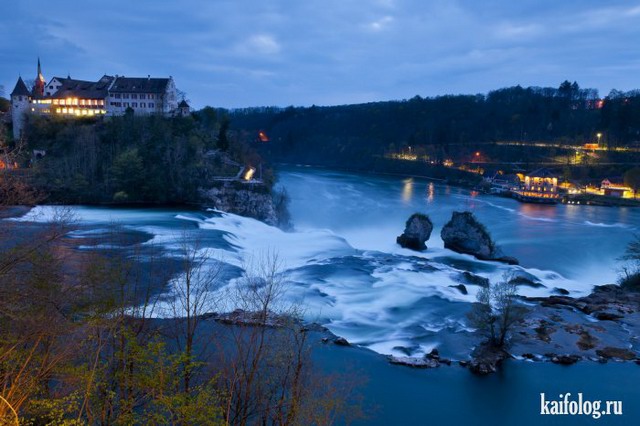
x=518, y=31
x=261, y=44
x=380, y=24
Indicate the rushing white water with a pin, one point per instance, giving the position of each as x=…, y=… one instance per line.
x=344, y=266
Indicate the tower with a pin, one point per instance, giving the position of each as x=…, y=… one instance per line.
x=19, y=106
x=38, y=87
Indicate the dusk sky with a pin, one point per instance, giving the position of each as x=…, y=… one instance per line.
x=240, y=53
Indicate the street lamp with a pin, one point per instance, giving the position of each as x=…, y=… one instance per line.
x=599, y=135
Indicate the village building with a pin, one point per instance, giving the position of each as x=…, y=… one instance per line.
x=108, y=96
x=615, y=188
x=539, y=186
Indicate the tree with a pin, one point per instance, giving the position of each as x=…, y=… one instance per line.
x=630, y=276
x=632, y=180
x=193, y=296
x=128, y=173
x=223, y=140
x=36, y=309
x=496, y=310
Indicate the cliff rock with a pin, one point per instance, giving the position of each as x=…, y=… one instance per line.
x=416, y=232
x=464, y=234
x=243, y=200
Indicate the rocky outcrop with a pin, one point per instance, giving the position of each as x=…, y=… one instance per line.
x=617, y=353
x=486, y=359
x=564, y=359
x=606, y=303
x=416, y=232
x=242, y=199
x=464, y=234
x=461, y=288
x=341, y=341
x=430, y=360
x=474, y=279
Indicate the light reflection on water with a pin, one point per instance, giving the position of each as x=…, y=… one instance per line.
x=431, y=191
x=407, y=190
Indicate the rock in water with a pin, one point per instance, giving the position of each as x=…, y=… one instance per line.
x=464, y=234
x=416, y=232
x=241, y=199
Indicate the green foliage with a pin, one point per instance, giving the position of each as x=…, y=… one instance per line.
x=54, y=411
x=133, y=159
x=128, y=172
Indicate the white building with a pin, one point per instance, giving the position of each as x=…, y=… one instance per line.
x=110, y=95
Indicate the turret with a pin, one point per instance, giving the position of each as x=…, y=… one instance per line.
x=19, y=106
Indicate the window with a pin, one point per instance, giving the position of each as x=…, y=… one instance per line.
x=151, y=105
x=143, y=105
x=151, y=96
x=134, y=105
x=142, y=96
x=125, y=96
x=118, y=96
x=134, y=96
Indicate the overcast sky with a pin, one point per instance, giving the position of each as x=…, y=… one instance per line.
x=238, y=53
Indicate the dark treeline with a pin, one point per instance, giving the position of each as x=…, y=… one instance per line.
x=130, y=159
x=339, y=134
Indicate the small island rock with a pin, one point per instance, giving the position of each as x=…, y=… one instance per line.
x=416, y=232
x=464, y=234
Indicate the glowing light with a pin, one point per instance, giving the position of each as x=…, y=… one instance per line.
x=248, y=175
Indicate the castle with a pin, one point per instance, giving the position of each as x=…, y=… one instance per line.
x=110, y=95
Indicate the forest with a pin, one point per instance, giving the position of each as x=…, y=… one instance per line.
x=445, y=125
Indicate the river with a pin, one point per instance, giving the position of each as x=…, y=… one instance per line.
x=342, y=263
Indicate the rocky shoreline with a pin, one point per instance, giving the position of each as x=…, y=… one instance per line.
x=601, y=327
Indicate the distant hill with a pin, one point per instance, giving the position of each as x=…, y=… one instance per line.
x=340, y=135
